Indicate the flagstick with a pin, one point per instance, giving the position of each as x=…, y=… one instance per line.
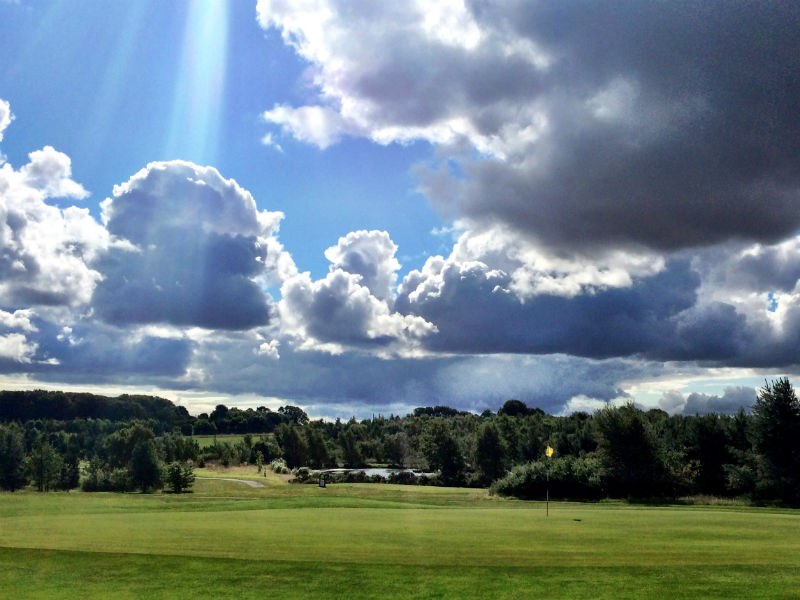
x=548, y=453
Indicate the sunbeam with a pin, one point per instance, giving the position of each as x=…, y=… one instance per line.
x=200, y=84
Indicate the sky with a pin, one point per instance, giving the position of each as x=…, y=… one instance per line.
x=363, y=207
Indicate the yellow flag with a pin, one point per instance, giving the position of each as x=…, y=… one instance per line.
x=549, y=451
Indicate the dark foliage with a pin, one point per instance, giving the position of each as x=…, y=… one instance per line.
x=776, y=432
x=12, y=458
x=145, y=469
x=632, y=461
x=443, y=453
x=64, y=406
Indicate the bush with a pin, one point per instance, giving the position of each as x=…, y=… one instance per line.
x=403, y=478
x=355, y=477
x=267, y=447
x=107, y=480
x=301, y=475
x=279, y=466
x=100, y=477
x=226, y=454
x=119, y=480
x=569, y=477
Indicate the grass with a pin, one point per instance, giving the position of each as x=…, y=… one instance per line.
x=228, y=540
x=206, y=441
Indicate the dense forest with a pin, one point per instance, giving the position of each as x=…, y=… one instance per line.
x=60, y=440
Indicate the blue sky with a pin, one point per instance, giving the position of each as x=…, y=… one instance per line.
x=118, y=85
x=365, y=207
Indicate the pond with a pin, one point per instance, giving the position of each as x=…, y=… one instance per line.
x=383, y=472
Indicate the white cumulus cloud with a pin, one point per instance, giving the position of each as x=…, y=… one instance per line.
x=370, y=254
x=16, y=347
x=5, y=117
x=45, y=251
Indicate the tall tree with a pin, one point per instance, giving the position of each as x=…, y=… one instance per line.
x=317, y=450
x=351, y=452
x=294, y=414
x=443, y=453
x=708, y=446
x=45, y=466
x=397, y=447
x=776, y=429
x=295, y=451
x=12, y=457
x=145, y=469
x=489, y=453
x=117, y=448
x=632, y=460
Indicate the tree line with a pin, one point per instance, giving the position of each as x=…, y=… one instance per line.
x=619, y=451
x=161, y=414
x=127, y=459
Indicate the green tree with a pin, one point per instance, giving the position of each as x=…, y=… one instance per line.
x=397, y=448
x=12, y=457
x=443, y=453
x=351, y=452
x=513, y=408
x=69, y=478
x=776, y=429
x=204, y=427
x=145, y=469
x=708, y=449
x=179, y=476
x=489, y=453
x=117, y=448
x=294, y=414
x=317, y=450
x=293, y=446
x=632, y=460
x=44, y=466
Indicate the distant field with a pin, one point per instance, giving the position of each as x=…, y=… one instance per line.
x=204, y=441
x=228, y=540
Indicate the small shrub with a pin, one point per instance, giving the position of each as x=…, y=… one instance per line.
x=403, y=478
x=301, y=475
x=179, y=476
x=278, y=465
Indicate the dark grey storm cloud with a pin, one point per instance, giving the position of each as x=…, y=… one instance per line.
x=662, y=124
x=669, y=125
x=197, y=245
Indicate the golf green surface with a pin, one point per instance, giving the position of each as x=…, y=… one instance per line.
x=227, y=540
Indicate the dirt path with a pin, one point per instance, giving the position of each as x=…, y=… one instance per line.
x=254, y=484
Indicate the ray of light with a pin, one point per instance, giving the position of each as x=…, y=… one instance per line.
x=199, y=87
